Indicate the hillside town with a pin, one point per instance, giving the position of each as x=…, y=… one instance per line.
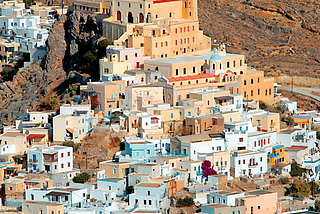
x=172, y=123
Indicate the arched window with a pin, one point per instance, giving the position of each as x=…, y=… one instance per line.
x=118, y=15
x=220, y=66
x=130, y=17
x=213, y=66
x=149, y=18
x=141, y=17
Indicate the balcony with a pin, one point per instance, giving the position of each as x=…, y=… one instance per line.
x=33, y=161
x=135, y=125
x=111, y=100
x=51, y=160
x=253, y=165
x=274, y=155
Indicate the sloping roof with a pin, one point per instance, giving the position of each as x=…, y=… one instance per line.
x=190, y=77
x=35, y=136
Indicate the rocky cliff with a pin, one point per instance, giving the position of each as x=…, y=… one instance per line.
x=280, y=37
x=69, y=37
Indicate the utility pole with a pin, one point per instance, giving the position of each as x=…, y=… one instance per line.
x=292, y=85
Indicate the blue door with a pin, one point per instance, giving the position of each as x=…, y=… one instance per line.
x=34, y=157
x=161, y=171
x=34, y=167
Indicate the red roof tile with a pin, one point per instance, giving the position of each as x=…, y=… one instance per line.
x=184, y=78
x=163, y=1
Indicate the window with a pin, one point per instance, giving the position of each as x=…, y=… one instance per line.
x=217, y=163
x=245, y=82
x=126, y=57
x=10, y=188
x=148, y=192
x=258, y=91
x=114, y=171
x=150, y=202
x=195, y=168
x=184, y=71
x=219, y=148
x=140, y=5
x=245, y=94
x=258, y=207
x=240, y=62
x=145, y=202
x=266, y=92
x=170, y=16
x=234, y=63
x=166, y=43
x=118, y=4
x=228, y=64
x=251, y=92
x=62, y=166
x=32, y=197
x=244, y=161
x=241, y=139
x=269, y=91
x=260, y=159
x=239, y=162
x=260, y=169
x=177, y=72
x=171, y=115
x=129, y=4
x=258, y=80
x=69, y=164
x=156, y=44
x=62, y=155
x=194, y=69
x=149, y=6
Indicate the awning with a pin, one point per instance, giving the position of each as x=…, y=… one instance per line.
x=154, y=118
x=53, y=193
x=35, y=136
x=223, y=98
x=70, y=130
x=49, y=152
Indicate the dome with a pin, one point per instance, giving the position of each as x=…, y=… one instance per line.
x=216, y=56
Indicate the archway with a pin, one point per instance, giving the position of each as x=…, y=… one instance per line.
x=118, y=15
x=149, y=18
x=141, y=18
x=130, y=17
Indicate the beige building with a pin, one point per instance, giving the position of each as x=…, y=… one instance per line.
x=138, y=96
x=32, y=207
x=69, y=127
x=268, y=121
x=88, y=6
x=210, y=124
x=16, y=139
x=161, y=28
x=7, y=50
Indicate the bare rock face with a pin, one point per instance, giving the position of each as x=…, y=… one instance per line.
x=275, y=36
x=68, y=36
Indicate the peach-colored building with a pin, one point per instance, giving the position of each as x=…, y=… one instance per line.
x=115, y=169
x=32, y=207
x=108, y=94
x=209, y=124
x=259, y=202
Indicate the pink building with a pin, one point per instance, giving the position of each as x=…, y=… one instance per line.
x=134, y=56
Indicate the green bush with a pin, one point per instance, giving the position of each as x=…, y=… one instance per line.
x=262, y=105
x=81, y=178
x=299, y=188
x=185, y=202
x=48, y=104
x=7, y=73
x=75, y=146
x=129, y=189
x=296, y=170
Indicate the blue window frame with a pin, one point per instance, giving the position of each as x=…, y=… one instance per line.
x=171, y=115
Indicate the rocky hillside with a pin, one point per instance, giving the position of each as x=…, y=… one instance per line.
x=69, y=38
x=276, y=36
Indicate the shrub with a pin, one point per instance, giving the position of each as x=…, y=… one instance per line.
x=296, y=170
x=75, y=146
x=7, y=73
x=81, y=178
x=129, y=190
x=262, y=105
x=299, y=188
x=185, y=202
x=283, y=180
x=48, y=104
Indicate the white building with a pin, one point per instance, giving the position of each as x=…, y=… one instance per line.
x=258, y=139
x=70, y=197
x=235, y=140
x=149, y=197
x=224, y=197
x=289, y=105
x=108, y=189
x=191, y=145
x=53, y=159
x=248, y=163
x=298, y=137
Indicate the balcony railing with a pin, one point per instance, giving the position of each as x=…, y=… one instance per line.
x=50, y=160
x=253, y=165
x=274, y=155
x=33, y=161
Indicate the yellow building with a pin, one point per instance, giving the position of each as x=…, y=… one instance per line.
x=304, y=121
x=31, y=207
x=115, y=169
x=278, y=155
x=267, y=121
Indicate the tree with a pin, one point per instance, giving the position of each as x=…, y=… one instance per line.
x=7, y=73
x=299, y=188
x=72, y=89
x=262, y=105
x=48, y=104
x=296, y=170
x=89, y=61
x=207, y=169
x=81, y=178
x=102, y=47
x=185, y=202
x=129, y=190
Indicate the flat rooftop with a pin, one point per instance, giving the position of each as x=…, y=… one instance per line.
x=152, y=185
